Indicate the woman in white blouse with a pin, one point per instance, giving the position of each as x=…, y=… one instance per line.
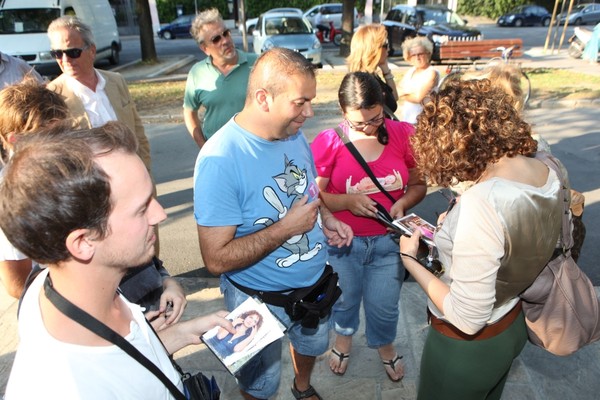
x=420, y=80
x=492, y=243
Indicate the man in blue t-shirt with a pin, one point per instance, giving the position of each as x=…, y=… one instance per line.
x=260, y=221
x=217, y=83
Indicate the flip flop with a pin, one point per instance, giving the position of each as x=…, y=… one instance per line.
x=306, y=394
x=392, y=365
x=342, y=358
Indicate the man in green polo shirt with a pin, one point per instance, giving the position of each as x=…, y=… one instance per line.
x=219, y=81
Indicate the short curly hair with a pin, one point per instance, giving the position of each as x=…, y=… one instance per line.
x=419, y=41
x=206, y=17
x=506, y=77
x=466, y=127
x=246, y=314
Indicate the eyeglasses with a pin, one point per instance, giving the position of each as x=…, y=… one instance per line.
x=217, y=39
x=359, y=126
x=385, y=45
x=418, y=55
x=71, y=53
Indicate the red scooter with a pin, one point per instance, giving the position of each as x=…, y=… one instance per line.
x=333, y=33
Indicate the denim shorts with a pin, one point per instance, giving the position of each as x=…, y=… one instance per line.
x=261, y=375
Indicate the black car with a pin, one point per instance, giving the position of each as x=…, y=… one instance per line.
x=178, y=28
x=438, y=23
x=526, y=15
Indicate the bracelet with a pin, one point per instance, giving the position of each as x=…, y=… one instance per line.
x=388, y=76
x=409, y=256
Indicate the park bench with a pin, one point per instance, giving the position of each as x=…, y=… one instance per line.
x=455, y=51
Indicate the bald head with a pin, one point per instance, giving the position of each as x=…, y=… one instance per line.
x=273, y=69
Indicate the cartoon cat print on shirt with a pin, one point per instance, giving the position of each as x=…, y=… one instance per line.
x=294, y=183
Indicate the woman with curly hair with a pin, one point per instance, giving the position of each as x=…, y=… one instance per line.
x=369, y=53
x=492, y=243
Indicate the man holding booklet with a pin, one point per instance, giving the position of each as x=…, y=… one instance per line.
x=261, y=224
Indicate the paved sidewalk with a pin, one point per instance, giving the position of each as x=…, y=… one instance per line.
x=536, y=375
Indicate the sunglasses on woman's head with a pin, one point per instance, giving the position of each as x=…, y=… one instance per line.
x=71, y=53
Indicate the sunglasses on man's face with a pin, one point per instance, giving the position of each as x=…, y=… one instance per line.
x=217, y=39
x=71, y=53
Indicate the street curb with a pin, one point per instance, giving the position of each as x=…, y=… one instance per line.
x=563, y=103
x=173, y=67
x=129, y=64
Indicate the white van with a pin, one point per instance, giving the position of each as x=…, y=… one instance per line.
x=24, y=23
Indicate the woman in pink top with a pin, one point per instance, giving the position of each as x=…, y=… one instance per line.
x=370, y=269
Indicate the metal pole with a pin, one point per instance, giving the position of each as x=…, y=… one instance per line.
x=551, y=24
x=562, y=38
x=243, y=24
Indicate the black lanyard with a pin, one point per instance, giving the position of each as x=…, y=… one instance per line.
x=88, y=321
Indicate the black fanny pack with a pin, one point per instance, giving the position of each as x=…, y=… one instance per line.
x=307, y=305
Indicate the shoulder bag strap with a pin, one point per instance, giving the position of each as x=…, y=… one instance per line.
x=354, y=151
x=88, y=321
x=390, y=113
x=552, y=163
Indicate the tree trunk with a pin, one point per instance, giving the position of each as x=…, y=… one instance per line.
x=347, y=27
x=146, y=32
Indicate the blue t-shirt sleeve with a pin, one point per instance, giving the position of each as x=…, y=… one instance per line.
x=216, y=201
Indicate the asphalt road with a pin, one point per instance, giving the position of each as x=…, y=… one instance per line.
x=534, y=36
x=572, y=133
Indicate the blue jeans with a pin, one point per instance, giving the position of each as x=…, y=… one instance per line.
x=260, y=376
x=371, y=271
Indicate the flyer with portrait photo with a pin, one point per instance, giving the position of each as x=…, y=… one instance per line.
x=411, y=222
x=255, y=326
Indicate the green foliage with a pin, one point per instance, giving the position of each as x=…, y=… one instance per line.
x=255, y=8
x=488, y=8
x=495, y=8
x=167, y=9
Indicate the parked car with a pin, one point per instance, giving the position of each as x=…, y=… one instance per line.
x=582, y=14
x=331, y=12
x=23, y=26
x=178, y=28
x=438, y=23
x=526, y=15
x=288, y=30
x=251, y=23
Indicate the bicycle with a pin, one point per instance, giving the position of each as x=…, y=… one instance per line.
x=455, y=71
